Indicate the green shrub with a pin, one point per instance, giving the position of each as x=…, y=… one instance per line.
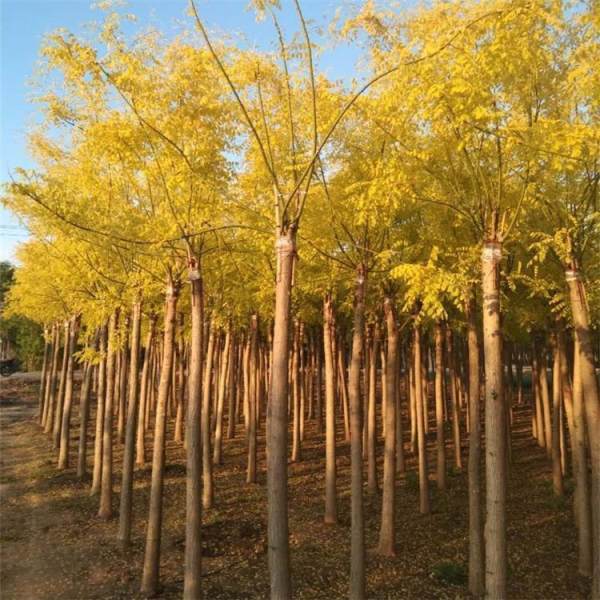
x=450, y=573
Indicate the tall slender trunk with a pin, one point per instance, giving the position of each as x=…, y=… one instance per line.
x=207, y=475
x=140, y=451
x=424, y=507
x=476, y=559
x=357, y=559
x=124, y=535
x=193, y=495
x=231, y=389
x=180, y=392
x=495, y=428
x=557, y=475
x=58, y=409
x=84, y=417
x=123, y=381
x=296, y=447
x=224, y=373
x=65, y=429
x=277, y=425
x=387, y=532
x=150, y=575
x=43, y=378
x=330, y=462
x=439, y=406
x=543, y=375
x=342, y=372
x=252, y=400
x=192, y=586
x=454, y=399
x=583, y=510
x=400, y=462
x=371, y=412
x=537, y=391
x=97, y=472
x=105, y=511
x=589, y=384
x=51, y=383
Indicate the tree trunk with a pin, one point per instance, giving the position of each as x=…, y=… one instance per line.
x=180, y=392
x=330, y=448
x=372, y=413
x=97, y=473
x=589, y=384
x=476, y=561
x=207, y=476
x=61, y=389
x=439, y=406
x=123, y=382
x=387, y=532
x=223, y=376
x=357, y=560
x=424, y=507
x=252, y=400
x=495, y=428
x=130, y=430
x=231, y=390
x=140, y=446
x=277, y=425
x=557, y=475
x=65, y=430
x=543, y=375
x=105, y=511
x=43, y=378
x=84, y=417
x=193, y=484
x=150, y=575
x=454, y=399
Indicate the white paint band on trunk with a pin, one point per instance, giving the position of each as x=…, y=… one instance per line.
x=491, y=252
x=571, y=275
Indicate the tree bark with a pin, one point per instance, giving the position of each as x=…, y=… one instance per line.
x=84, y=417
x=372, y=413
x=140, y=451
x=124, y=535
x=223, y=376
x=97, y=472
x=495, y=428
x=192, y=586
x=150, y=575
x=357, y=559
x=439, y=406
x=105, y=511
x=424, y=506
x=277, y=426
x=476, y=560
x=330, y=447
x=557, y=476
x=207, y=475
x=589, y=385
x=387, y=532
x=58, y=409
x=252, y=400
x=65, y=430
x=42, y=391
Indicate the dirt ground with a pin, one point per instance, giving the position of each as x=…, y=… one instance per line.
x=53, y=546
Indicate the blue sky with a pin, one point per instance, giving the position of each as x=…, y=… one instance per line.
x=24, y=23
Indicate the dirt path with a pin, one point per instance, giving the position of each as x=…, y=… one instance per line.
x=40, y=555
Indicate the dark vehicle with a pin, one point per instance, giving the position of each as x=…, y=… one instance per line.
x=8, y=366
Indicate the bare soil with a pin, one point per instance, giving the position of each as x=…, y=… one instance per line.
x=53, y=546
